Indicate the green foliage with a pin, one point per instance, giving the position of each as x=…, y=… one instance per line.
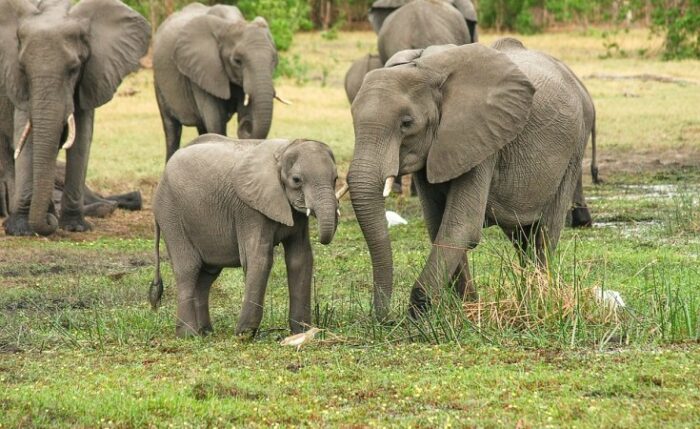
x=681, y=25
x=284, y=17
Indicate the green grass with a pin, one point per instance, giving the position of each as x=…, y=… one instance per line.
x=79, y=346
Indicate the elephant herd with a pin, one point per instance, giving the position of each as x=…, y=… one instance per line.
x=491, y=135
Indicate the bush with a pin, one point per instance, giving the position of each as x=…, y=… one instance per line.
x=284, y=17
x=681, y=25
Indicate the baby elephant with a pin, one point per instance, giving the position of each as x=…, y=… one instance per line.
x=228, y=203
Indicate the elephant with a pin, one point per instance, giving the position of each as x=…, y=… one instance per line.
x=58, y=62
x=255, y=194
x=94, y=204
x=208, y=64
x=356, y=73
x=419, y=24
x=381, y=9
x=491, y=135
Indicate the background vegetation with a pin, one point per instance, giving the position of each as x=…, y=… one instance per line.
x=678, y=21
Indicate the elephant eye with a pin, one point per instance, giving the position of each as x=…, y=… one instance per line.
x=296, y=180
x=237, y=61
x=406, y=122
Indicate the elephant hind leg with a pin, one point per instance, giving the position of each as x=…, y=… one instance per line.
x=207, y=276
x=186, y=267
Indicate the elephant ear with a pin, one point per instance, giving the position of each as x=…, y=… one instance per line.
x=118, y=37
x=486, y=101
x=198, y=57
x=12, y=81
x=257, y=181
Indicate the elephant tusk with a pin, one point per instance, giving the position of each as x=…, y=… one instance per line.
x=388, y=185
x=308, y=212
x=282, y=100
x=71, y=133
x=342, y=191
x=23, y=138
x=338, y=212
x=246, y=100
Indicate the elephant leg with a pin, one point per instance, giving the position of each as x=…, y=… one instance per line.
x=207, y=276
x=212, y=111
x=580, y=215
x=72, y=216
x=299, y=259
x=433, y=200
x=18, y=221
x=256, y=265
x=128, y=201
x=96, y=206
x=554, y=215
x=460, y=230
x=171, y=127
x=522, y=237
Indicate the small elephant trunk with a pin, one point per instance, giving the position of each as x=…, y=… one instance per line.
x=327, y=221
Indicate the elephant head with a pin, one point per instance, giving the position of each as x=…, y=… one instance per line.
x=442, y=111
x=56, y=58
x=215, y=52
x=276, y=177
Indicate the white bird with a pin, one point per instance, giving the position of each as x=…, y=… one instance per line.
x=393, y=219
x=299, y=340
x=610, y=298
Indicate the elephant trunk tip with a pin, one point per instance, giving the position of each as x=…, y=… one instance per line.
x=45, y=228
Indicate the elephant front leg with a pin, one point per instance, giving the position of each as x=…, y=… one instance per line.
x=72, y=214
x=459, y=230
x=299, y=259
x=18, y=222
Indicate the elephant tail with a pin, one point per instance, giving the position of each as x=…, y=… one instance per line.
x=594, y=159
x=156, y=291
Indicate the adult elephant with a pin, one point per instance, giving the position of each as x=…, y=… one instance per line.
x=419, y=24
x=209, y=63
x=381, y=9
x=492, y=136
x=58, y=62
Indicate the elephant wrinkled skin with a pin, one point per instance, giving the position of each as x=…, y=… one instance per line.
x=492, y=136
x=226, y=203
x=209, y=63
x=58, y=62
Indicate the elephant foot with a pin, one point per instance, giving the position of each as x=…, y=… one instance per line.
x=419, y=303
x=129, y=201
x=74, y=223
x=100, y=210
x=246, y=334
x=18, y=225
x=581, y=217
x=183, y=330
x=206, y=330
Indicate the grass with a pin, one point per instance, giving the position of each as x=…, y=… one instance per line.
x=79, y=346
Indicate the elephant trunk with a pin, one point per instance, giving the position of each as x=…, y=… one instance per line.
x=262, y=93
x=47, y=126
x=366, y=184
x=326, y=213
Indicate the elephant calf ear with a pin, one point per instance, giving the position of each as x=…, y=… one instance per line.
x=486, y=102
x=257, y=181
x=198, y=57
x=118, y=37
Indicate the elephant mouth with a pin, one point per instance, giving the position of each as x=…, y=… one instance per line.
x=68, y=133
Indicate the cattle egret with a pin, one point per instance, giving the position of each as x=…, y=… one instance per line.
x=609, y=298
x=393, y=219
x=299, y=340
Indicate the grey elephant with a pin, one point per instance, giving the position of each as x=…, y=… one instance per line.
x=419, y=24
x=227, y=203
x=94, y=204
x=492, y=136
x=208, y=64
x=58, y=62
x=356, y=73
x=381, y=9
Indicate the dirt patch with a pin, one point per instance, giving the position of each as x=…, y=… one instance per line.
x=613, y=162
